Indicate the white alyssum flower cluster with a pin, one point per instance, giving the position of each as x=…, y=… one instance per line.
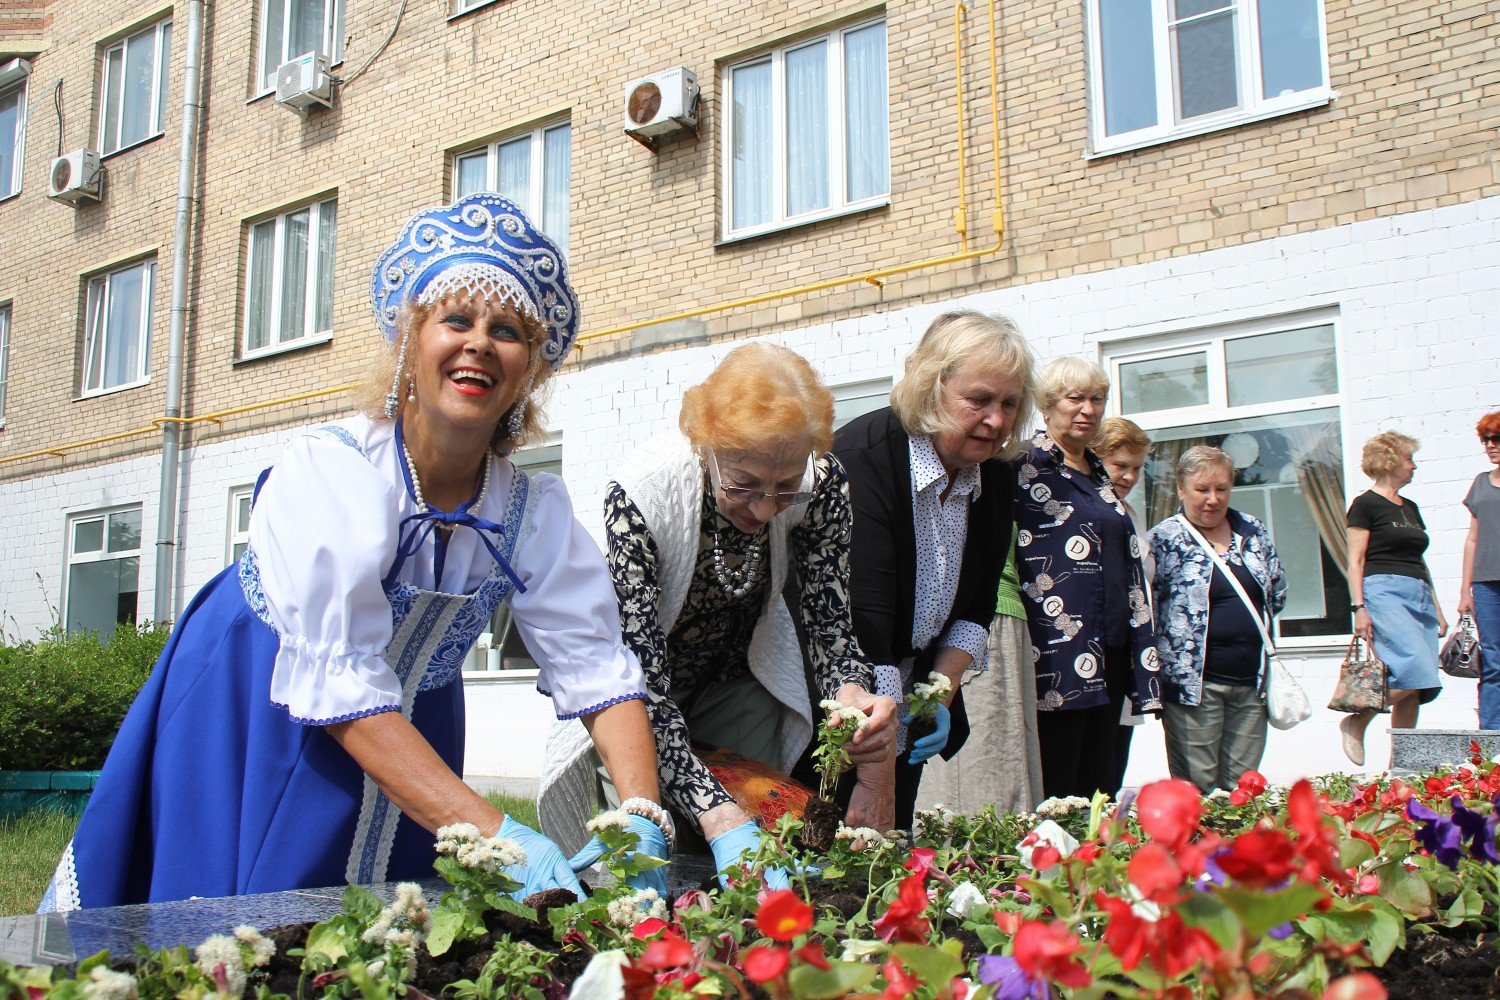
x=627, y=911
x=474, y=850
x=617, y=818
x=107, y=984
x=840, y=713
x=1055, y=807
x=861, y=838
x=405, y=923
x=937, y=687
x=222, y=952
x=261, y=947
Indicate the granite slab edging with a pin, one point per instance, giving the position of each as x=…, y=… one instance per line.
x=1425, y=749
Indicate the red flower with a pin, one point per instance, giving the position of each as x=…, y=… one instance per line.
x=648, y=927
x=904, y=920
x=921, y=861
x=1355, y=986
x=1154, y=872
x=1045, y=857
x=1173, y=946
x=1009, y=921
x=1086, y=851
x=1126, y=934
x=1317, y=844
x=1258, y=858
x=783, y=916
x=762, y=965
x=666, y=952
x=1252, y=784
x=898, y=984
x=1047, y=950
x=813, y=955
x=1169, y=811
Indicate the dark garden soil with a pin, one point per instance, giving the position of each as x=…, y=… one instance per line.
x=1445, y=965
x=820, y=821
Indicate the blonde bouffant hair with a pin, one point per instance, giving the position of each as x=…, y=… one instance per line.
x=759, y=396
x=408, y=324
x=1117, y=433
x=964, y=341
x=1385, y=452
x=1069, y=374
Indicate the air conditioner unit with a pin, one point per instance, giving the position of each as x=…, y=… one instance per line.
x=76, y=177
x=662, y=103
x=304, y=82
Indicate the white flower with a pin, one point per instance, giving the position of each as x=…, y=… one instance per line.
x=1049, y=833
x=604, y=976
x=855, y=950
x=610, y=818
x=1061, y=806
x=861, y=838
x=627, y=911
x=223, y=951
x=405, y=923
x=261, y=949
x=937, y=686
x=411, y=906
x=107, y=984
x=1218, y=793
x=829, y=705
x=840, y=713
x=470, y=849
x=963, y=900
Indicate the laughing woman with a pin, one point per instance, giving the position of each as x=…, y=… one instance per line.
x=305, y=723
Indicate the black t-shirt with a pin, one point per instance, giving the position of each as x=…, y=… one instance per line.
x=1233, y=651
x=1398, y=536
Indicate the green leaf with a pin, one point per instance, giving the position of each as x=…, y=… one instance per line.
x=507, y=905
x=88, y=964
x=1387, y=932
x=447, y=926
x=1406, y=890
x=362, y=904
x=934, y=966
x=1468, y=906
x=1354, y=852
x=840, y=978
x=328, y=940
x=1261, y=911
x=1207, y=911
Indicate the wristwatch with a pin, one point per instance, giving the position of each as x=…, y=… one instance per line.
x=1356, y=607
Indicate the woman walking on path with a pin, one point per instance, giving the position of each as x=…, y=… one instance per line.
x=1479, y=594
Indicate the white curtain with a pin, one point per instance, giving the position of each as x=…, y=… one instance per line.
x=557, y=159
x=293, y=322
x=328, y=213
x=258, y=307
x=135, y=95
x=807, y=129
x=750, y=190
x=124, y=326
x=513, y=176
x=867, y=121
x=10, y=138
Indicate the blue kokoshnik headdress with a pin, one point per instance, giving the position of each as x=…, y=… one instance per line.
x=481, y=244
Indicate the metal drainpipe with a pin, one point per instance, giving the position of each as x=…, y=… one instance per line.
x=163, y=607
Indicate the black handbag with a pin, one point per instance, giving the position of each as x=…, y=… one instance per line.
x=1460, y=654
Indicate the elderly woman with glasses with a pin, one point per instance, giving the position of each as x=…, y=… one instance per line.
x=932, y=523
x=705, y=529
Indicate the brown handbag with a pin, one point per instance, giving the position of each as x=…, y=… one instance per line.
x=1363, y=681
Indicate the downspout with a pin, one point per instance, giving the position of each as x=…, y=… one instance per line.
x=162, y=606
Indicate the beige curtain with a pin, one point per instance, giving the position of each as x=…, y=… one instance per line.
x=1161, y=497
x=1319, y=464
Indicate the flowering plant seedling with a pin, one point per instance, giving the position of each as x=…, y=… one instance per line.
x=834, y=736
x=927, y=695
x=370, y=949
x=477, y=868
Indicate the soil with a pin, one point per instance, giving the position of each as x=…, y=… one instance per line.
x=1451, y=964
x=820, y=821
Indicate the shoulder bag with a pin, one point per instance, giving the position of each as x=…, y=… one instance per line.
x=1363, y=681
x=1460, y=654
x=1286, y=702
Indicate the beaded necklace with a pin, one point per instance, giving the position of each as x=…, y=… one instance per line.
x=416, y=482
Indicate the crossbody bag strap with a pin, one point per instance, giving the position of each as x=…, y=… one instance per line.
x=1233, y=582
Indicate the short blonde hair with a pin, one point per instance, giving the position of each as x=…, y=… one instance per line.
x=1117, y=433
x=408, y=324
x=964, y=341
x=1384, y=452
x=1199, y=459
x=1069, y=374
x=760, y=394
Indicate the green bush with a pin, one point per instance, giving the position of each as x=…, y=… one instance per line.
x=62, y=697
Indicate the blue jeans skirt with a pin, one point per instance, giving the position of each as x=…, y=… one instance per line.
x=1405, y=620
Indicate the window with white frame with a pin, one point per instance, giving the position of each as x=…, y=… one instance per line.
x=290, y=28
x=806, y=131
x=461, y=6
x=855, y=399
x=534, y=169
x=13, y=77
x=240, y=499
x=4, y=355
x=104, y=563
x=117, y=331
x=1165, y=68
x=133, y=93
x=289, y=279
x=506, y=651
x=1268, y=394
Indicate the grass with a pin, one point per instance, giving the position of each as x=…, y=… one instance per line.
x=31, y=843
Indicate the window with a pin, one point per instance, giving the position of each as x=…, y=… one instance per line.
x=1160, y=69
x=4, y=355
x=806, y=131
x=1268, y=395
x=533, y=169
x=104, y=561
x=463, y=6
x=13, y=77
x=240, y=498
x=289, y=279
x=134, y=89
x=506, y=651
x=117, y=341
x=858, y=398
x=290, y=28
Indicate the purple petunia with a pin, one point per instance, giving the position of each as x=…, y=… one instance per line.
x=1013, y=982
x=1439, y=834
x=1479, y=830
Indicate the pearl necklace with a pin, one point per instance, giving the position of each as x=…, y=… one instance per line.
x=416, y=483
x=738, y=582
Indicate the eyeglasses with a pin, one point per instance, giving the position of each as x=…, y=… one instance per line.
x=745, y=495
x=1490, y=438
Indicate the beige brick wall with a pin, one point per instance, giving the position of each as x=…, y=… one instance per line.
x=1412, y=127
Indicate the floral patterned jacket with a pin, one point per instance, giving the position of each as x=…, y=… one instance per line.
x=1180, y=587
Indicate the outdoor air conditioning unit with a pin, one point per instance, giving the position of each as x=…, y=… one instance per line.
x=661, y=104
x=76, y=177
x=304, y=82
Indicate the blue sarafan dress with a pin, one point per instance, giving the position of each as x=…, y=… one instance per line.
x=222, y=780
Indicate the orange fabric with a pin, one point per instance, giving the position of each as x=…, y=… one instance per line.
x=760, y=790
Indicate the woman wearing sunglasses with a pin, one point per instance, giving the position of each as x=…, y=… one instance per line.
x=1479, y=595
x=704, y=530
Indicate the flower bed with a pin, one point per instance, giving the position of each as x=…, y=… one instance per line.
x=1328, y=888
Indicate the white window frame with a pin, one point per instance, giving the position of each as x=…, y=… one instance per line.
x=332, y=44
x=838, y=178
x=114, y=103
x=15, y=78
x=277, y=339
x=537, y=136
x=233, y=535
x=73, y=558
x=862, y=390
x=1212, y=340
x=96, y=325
x=464, y=6
x=5, y=315
x=1252, y=107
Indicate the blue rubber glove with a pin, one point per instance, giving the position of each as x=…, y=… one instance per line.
x=652, y=842
x=732, y=845
x=546, y=867
x=933, y=742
